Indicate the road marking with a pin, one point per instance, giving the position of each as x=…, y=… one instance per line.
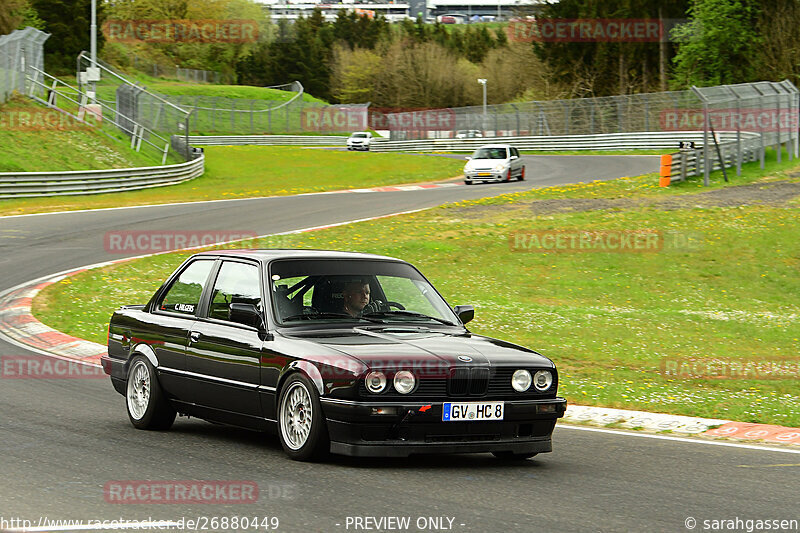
x=393, y=188
x=681, y=439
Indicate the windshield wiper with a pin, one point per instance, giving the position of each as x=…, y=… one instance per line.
x=330, y=315
x=411, y=314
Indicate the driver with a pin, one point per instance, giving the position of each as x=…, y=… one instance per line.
x=356, y=297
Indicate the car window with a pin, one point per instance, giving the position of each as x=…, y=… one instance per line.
x=306, y=291
x=235, y=283
x=490, y=153
x=184, y=294
x=411, y=294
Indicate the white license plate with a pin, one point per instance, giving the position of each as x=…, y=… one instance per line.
x=472, y=411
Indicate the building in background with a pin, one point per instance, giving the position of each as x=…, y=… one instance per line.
x=455, y=11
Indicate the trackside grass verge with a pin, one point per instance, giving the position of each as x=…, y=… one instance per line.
x=611, y=321
x=251, y=171
x=35, y=139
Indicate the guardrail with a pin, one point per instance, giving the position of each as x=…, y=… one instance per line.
x=614, y=141
x=677, y=166
x=267, y=140
x=642, y=140
x=28, y=184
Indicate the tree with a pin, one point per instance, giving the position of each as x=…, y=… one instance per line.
x=68, y=23
x=353, y=74
x=16, y=14
x=779, y=37
x=605, y=68
x=718, y=44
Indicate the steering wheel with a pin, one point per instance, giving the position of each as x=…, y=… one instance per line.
x=395, y=304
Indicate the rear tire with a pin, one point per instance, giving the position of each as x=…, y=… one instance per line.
x=301, y=424
x=147, y=406
x=511, y=456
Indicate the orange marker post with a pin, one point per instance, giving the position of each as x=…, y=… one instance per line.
x=666, y=170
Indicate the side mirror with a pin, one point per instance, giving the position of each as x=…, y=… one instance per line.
x=468, y=158
x=513, y=157
x=247, y=314
x=465, y=313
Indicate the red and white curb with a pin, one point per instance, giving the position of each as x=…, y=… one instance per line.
x=677, y=424
x=20, y=327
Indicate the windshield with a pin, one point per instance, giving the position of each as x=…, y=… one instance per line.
x=359, y=135
x=368, y=291
x=489, y=153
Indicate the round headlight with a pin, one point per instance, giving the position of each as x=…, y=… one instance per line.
x=404, y=382
x=375, y=381
x=521, y=380
x=542, y=380
x=500, y=167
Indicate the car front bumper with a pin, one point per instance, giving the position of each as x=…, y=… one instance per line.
x=417, y=428
x=486, y=176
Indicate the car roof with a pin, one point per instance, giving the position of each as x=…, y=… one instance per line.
x=494, y=146
x=270, y=254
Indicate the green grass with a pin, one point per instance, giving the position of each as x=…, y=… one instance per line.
x=608, y=320
x=250, y=171
x=49, y=143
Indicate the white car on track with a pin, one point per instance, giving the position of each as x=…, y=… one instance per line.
x=494, y=162
x=359, y=140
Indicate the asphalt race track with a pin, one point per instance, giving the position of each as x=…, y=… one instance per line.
x=62, y=441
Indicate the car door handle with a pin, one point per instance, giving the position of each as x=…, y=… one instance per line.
x=194, y=336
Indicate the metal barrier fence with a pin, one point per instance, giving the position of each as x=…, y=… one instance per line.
x=189, y=75
x=609, y=114
x=268, y=140
x=654, y=140
x=768, y=109
x=18, y=50
x=140, y=113
x=213, y=115
x=76, y=105
x=29, y=184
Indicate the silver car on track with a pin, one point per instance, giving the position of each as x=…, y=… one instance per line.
x=494, y=162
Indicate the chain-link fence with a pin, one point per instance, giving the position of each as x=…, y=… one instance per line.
x=286, y=112
x=140, y=114
x=18, y=50
x=663, y=111
x=189, y=75
x=762, y=114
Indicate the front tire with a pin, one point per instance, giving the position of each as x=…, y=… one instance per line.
x=467, y=182
x=148, y=408
x=301, y=423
